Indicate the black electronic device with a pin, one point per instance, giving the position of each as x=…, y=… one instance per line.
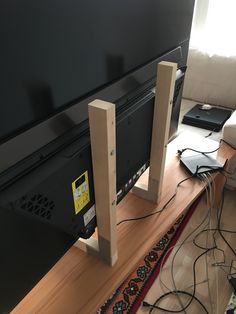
x=210, y=119
x=56, y=57
x=200, y=163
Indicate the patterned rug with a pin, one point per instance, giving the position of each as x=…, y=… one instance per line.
x=128, y=297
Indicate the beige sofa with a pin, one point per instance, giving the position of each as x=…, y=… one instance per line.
x=211, y=79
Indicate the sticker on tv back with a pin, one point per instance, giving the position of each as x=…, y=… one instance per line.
x=88, y=216
x=80, y=190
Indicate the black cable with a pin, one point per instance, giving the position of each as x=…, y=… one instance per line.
x=180, y=151
x=154, y=306
x=220, y=231
x=209, y=134
x=208, y=168
x=199, y=246
x=183, y=242
x=194, y=265
x=193, y=297
x=220, y=210
x=160, y=210
x=207, y=230
x=215, y=229
x=173, y=196
x=227, y=266
x=146, y=304
x=191, y=233
x=219, y=215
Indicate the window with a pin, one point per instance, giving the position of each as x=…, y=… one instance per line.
x=214, y=27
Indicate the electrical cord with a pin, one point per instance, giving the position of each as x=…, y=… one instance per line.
x=219, y=214
x=227, y=266
x=175, y=254
x=164, y=259
x=210, y=193
x=146, y=304
x=217, y=248
x=212, y=197
x=214, y=229
x=210, y=200
x=208, y=167
x=210, y=134
x=174, y=195
x=210, y=205
x=211, y=186
x=220, y=210
x=175, y=291
x=180, y=151
x=162, y=209
x=172, y=277
x=220, y=231
x=193, y=297
x=172, y=263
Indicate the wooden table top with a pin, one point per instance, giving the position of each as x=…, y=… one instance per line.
x=80, y=283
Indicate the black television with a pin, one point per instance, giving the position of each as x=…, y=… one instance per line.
x=56, y=57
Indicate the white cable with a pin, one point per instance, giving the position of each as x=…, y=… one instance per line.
x=173, y=259
x=172, y=263
x=207, y=240
x=210, y=195
x=211, y=227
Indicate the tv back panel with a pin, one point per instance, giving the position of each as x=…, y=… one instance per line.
x=63, y=63
x=40, y=204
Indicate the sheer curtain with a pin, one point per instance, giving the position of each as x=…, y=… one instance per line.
x=211, y=74
x=214, y=27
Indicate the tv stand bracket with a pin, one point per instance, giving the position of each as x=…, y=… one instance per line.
x=103, y=144
x=166, y=74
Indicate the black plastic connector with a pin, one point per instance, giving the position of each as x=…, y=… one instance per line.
x=146, y=304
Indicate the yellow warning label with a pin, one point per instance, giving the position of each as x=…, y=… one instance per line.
x=80, y=189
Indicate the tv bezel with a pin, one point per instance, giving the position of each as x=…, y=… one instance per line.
x=19, y=147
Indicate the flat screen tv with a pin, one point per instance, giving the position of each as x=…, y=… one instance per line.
x=56, y=57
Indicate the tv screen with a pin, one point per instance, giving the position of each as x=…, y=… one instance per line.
x=56, y=57
x=55, y=53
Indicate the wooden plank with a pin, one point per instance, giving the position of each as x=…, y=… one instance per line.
x=166, y=73
x=103, y=144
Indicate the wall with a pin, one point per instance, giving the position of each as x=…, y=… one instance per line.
x=211, y=79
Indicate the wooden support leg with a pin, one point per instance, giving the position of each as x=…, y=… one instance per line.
x=102, y=134
x=166, y=73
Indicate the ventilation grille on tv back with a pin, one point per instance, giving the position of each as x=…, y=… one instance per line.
x=37, y=205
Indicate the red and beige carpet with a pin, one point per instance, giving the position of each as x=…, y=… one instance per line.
x=129, y=296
